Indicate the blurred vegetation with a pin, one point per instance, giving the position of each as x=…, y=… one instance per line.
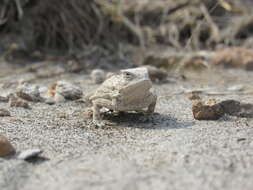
x=76, y=24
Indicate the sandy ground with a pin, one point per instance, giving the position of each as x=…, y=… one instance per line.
x=168, y=150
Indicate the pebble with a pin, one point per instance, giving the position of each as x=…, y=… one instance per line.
x=74, y=66
x=68, y=90
x=192, y=96
x=17, y=102
x=51, y=92
x=4, y=99
x=30, y=153
x=236, y=88
x=98, y=76
x=4, y=113
x=58, y=98
x=62, y=116
x=88, y=113
x=209, y=110
x=43, y=89
x=241, y=139
x=50, y=101
x=5, y=147
x=156, y=74
x=29, y=92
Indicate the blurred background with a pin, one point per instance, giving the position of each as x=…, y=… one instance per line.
x=96, y=33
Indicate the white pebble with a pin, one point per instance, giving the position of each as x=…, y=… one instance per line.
x=98, y=76
x=68, y=90
x=31, y=153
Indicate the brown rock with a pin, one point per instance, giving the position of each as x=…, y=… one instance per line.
x=4, y=113
x=209, y=110
x=5, y=147
x=231, y=107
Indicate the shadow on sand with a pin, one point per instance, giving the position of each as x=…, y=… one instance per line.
x=145, y=121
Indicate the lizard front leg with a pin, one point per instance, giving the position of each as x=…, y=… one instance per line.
x=97, y=105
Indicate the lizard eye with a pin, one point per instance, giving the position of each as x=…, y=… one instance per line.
x=127, y=75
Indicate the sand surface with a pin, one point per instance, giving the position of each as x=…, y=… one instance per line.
x=168, y=150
